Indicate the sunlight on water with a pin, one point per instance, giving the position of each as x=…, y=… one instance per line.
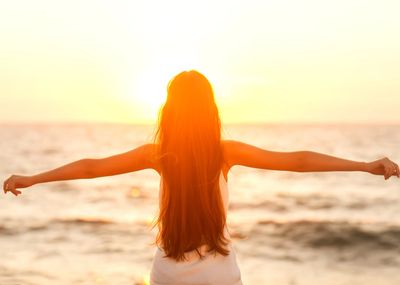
x=146, y=279
x=135, y=193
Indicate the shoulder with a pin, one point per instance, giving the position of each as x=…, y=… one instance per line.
x=232, y=146
x=240, y=153
x=150, y=148
x=230, y=150
x=145, y=155
x=229, y=144
x=150, y=152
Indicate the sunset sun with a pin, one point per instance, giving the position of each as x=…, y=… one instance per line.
x=149, y=89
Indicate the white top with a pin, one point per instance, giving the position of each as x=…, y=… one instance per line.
x=213, y=269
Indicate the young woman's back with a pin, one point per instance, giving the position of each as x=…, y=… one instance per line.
x=196, y=270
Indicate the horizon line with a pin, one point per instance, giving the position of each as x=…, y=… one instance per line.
x=244, y=123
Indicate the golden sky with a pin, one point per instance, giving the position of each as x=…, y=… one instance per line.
x=269, y=61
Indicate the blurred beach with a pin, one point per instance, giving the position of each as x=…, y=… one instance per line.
x=288, y=228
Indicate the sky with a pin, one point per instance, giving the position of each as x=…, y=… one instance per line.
x=297, y=61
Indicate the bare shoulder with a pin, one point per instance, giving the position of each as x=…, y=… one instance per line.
x=231, y=149
x=240, y=153
x=233, y=146
x=152, y=153
x=146, y=156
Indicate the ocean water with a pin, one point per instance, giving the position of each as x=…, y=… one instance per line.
x=288, y=228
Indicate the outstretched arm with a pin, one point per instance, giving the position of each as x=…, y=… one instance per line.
x=238, y=153
x=133, y=160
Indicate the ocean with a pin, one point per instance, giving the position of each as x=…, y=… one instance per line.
x=287, y=228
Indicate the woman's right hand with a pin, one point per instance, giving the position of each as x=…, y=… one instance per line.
x=17, y=181
x=384, y=167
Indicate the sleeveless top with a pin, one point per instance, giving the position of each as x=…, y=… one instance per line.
x=212, y=269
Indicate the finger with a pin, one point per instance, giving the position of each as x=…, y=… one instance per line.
x=392, y=172
x=5, y=185
x=11, y=187
x=387, y=172
x=397, y=170
x=16, y=192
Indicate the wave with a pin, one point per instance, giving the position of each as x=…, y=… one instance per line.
x=17, y=227
x=84, y=221
x=284, y=202
x=332, y=234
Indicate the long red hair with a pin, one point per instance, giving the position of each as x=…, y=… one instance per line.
x=189, y=148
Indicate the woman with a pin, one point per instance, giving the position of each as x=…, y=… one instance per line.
x=193, y=162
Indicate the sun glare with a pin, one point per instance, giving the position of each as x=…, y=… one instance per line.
x=149, y=89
